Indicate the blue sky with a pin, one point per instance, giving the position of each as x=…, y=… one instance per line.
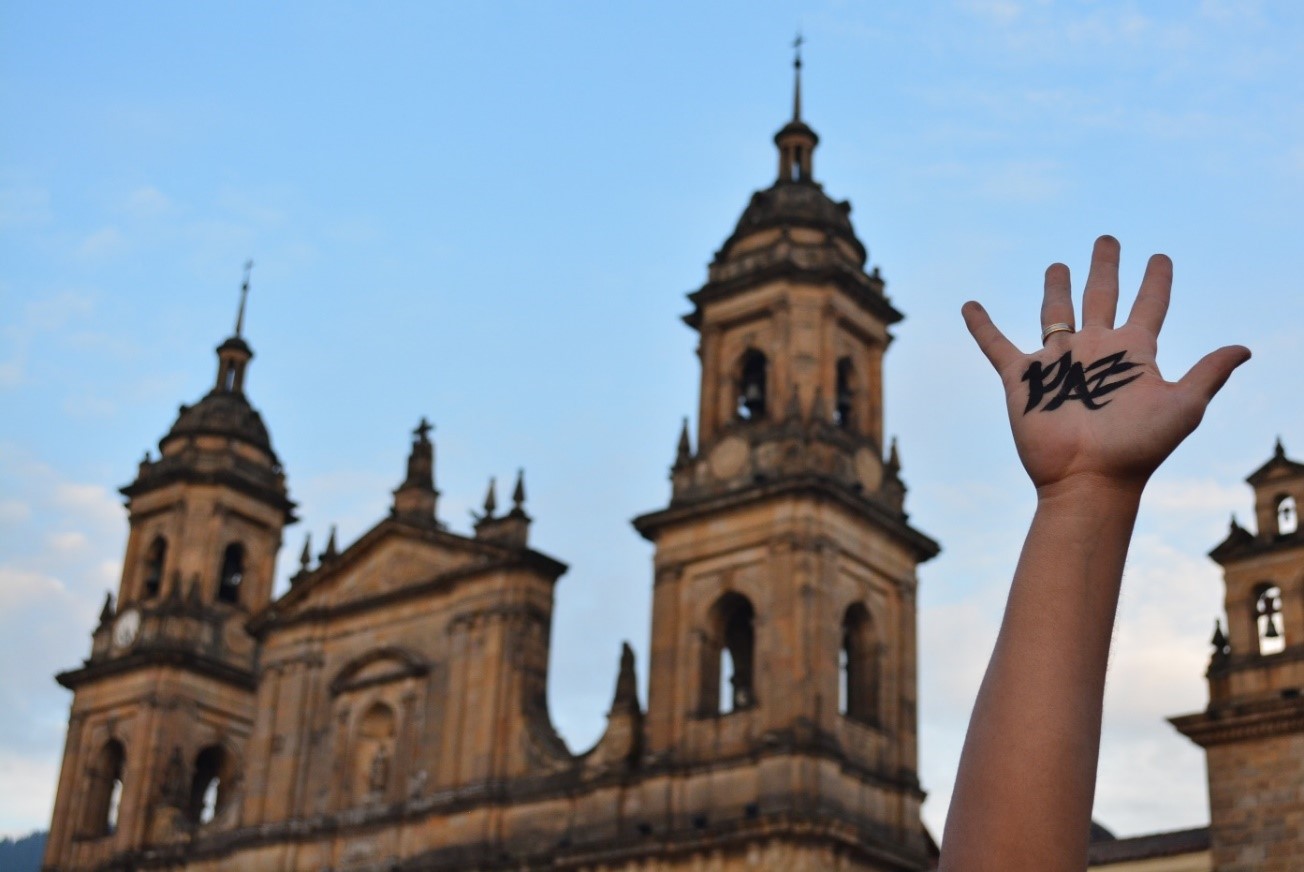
x=489, y=214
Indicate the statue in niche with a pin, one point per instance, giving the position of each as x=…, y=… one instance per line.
x=379, y=770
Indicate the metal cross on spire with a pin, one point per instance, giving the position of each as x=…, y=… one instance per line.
x=796, y=66
x=244, y=295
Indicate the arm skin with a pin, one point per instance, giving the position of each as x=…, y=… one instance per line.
x=1027, y=776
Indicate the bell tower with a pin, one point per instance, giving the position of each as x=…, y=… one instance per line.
x=1253, y=728
x=784, y=611
x=163, y=705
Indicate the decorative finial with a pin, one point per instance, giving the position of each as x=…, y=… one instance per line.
x=894, y=458
x=490, y=501
x=106, y=613
x=796, y=67
x=422, y=431
x=518, y=492
x=1279, y=452
x=819, y=409
x=305, y=556
x=332, y=550
x=793, y=412
x=1219, y=641
x=684, y=449
x=626, y=696
x=244, y=295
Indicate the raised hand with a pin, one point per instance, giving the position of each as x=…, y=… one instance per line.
x=1092, y=402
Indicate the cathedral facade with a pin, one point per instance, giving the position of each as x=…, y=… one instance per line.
x=389, y=711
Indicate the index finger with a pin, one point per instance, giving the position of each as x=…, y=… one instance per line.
x=991, y=341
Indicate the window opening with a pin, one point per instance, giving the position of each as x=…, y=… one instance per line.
x=154, y=559
x=844, y=394
x=228, y=380
x=228, y=587
x=730, y=670
x=208, y=788
x=858, y=661
x=1267, y=617
x=1287, y=516
x=104, y=797
x=752, y=387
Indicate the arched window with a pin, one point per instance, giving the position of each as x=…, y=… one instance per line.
x=844, y=395
x=209, y=787
x=752, y=386
x=232, y=574
x=1287, y=516
x=104, y=793
x=154, y=559
x=373, y=758
x=1267, y=619
x=729, y=656
x=858, y=687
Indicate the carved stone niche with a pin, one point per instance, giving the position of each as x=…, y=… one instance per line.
x=380, y=666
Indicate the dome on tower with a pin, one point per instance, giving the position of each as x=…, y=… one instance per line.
x=221, y=438
x=792, y=230
x=795, y=204
x=222, y=413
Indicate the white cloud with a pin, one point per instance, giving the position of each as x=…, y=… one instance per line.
x=54, y=310
x=24, y=206
x=147, y=202
x=22, y=586
x=12, y=511
x=1027, y=181
x=105, y=242
x=67, y=541
x=1001, y=12
x=27, y=801
x=89, y=501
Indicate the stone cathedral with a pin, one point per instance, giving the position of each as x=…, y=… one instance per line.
x=389, y=711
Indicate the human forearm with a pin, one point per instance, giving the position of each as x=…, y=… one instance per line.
x=1092, y=418
x=1027, y=775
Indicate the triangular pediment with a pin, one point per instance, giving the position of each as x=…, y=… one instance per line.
x=1279, y=468
x=391, y=559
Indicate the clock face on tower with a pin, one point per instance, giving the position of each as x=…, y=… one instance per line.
x=124, y=631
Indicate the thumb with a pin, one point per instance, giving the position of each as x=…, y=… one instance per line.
x=1211, y=372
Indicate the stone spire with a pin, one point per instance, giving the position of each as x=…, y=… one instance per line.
x=511, y=529
x=518, y=496
x=234, y=354
x=332, y=549
x=796, y=140
x=626, y=697
x=684, y=450
x=415, y=498
x=796, y=74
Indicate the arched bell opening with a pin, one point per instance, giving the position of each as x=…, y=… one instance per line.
x=1270, y=631
x=728, y=667
x=231, y=575
x=858, y=691
x=210, y=785
x=152, y=572
x=104, y=790
x=753, y=386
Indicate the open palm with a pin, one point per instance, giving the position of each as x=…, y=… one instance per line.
x=1092, y=402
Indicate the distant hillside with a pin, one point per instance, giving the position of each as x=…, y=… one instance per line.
x=23, y=855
